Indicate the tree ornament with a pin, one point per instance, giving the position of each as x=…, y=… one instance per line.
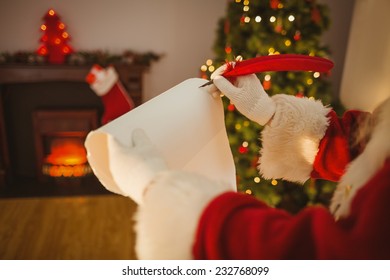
x=274, y=4
x=297, y=35
x=243, y=150
x=267, y=82
x=228, y=49
x=231, y=107
x=266, y=85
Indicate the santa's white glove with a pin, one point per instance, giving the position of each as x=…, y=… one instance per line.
x=247, y=94
x=134, y=167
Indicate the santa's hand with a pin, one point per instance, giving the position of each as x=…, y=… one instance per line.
x=212, y=89
x=248, y=95
x=135, y=166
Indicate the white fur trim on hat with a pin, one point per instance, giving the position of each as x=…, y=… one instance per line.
x=290, y=142
x=105, y=80
x=167, y=220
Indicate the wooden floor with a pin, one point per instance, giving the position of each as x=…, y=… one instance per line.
x=83, y=227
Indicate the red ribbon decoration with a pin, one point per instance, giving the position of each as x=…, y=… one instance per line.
x=280, y=62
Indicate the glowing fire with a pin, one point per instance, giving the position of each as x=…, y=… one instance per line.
x=67, y=158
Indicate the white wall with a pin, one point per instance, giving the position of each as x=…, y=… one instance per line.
x=183, y=30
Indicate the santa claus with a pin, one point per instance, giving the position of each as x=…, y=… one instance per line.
x=183, y=215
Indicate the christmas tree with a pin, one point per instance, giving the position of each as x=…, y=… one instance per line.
x=54, y=40
x=254, y=28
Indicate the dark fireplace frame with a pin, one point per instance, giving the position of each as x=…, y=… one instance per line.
x=131, y=77
x=60, y=123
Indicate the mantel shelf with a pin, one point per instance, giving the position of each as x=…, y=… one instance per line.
x=25, y=73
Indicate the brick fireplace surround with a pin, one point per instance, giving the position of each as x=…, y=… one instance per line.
x=28, y=90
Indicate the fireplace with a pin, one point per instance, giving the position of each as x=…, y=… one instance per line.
x=59, y=142
x=46, y=111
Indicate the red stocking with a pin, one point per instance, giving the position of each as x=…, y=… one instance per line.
x=106, y=84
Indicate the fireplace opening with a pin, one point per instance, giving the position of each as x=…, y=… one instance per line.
x=65, y=156
x=59, y=142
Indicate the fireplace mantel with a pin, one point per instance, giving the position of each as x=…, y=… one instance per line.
x=131, y=77
x=15, y=73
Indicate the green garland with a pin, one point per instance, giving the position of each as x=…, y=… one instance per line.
x=102, y=58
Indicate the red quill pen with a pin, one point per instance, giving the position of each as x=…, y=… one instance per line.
x=281, y=62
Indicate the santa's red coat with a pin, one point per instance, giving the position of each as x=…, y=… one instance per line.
x=238, y=226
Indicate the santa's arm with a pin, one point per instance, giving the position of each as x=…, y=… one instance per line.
x=307, y=139
x=167, y=220
x=171, y=208
x=169, y=202
x=294, y=133
x=291, y=139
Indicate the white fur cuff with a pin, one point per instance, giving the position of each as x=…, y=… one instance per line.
x=290, y=142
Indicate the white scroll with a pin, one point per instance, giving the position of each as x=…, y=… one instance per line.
x=187, y=126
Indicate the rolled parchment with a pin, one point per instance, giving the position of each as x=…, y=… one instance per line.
x=185, y=123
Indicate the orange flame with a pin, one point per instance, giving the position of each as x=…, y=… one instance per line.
x=67, y=158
